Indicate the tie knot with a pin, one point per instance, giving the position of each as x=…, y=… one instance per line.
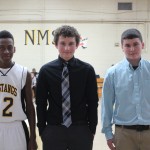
x=65, y=64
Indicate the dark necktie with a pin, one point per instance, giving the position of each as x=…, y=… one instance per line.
x=66, y=112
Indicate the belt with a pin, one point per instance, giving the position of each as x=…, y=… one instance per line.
x=135, y=127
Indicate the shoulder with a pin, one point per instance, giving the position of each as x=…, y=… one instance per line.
x=20, y=68
x=50, y=64
x=145, y=62
x=49, y=67
x=145, y=66
x=83, y=64
x=117, y=68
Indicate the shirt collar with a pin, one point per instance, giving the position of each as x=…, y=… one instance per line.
x=70, y=62
x=130, y=66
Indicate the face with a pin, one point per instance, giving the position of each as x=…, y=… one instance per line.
x=132, y=49
x=7, y=50
x=66, y=47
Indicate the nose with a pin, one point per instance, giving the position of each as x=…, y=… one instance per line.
x=132, y=48
x=6, y=50
x=66, y=48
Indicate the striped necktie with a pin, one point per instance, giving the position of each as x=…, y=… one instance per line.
x=66, y=112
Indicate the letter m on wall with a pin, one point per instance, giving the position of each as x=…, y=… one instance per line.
x=36, y=36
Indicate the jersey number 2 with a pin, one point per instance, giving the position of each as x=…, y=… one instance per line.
x=6, y=112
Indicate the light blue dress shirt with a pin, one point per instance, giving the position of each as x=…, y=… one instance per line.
x=126, y=96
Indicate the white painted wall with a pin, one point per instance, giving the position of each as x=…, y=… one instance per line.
x=97, y=20
x=99, y=10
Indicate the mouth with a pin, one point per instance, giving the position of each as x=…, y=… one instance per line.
x=132, y=54
x=7, y=56
x=67, y=53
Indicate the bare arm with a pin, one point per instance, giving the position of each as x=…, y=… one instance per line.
x=30, y=113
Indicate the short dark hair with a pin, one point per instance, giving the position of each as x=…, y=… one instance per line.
x=66, y=31
x=6, y=34
x=131, y=34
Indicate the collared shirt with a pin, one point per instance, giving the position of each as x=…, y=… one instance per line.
x=126, y=96
x=83, y=93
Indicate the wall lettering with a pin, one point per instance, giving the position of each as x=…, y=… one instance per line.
x=35, y=37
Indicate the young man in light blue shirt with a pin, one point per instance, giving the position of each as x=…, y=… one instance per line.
x=126, y=97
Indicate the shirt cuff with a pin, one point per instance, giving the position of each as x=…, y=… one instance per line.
x=109, y=135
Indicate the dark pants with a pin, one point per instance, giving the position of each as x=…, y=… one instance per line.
x=58, y=137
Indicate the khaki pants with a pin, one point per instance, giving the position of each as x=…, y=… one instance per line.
x=128, y=139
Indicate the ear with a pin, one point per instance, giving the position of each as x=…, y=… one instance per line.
x=122, y=47
x=77, y=46
x=14, y=49
x=56, y=46
x=143, y=45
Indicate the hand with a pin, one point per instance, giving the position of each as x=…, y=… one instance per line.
x=110, y=144
x=32, y=145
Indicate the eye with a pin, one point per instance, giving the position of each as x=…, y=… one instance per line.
x=71, y=44
x=10, y=48
x=127, y=45
x=136, y=44
x=2, y=48
x=62, y=44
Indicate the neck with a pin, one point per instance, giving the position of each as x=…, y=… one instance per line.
x=6, y=65
x=135, y=62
